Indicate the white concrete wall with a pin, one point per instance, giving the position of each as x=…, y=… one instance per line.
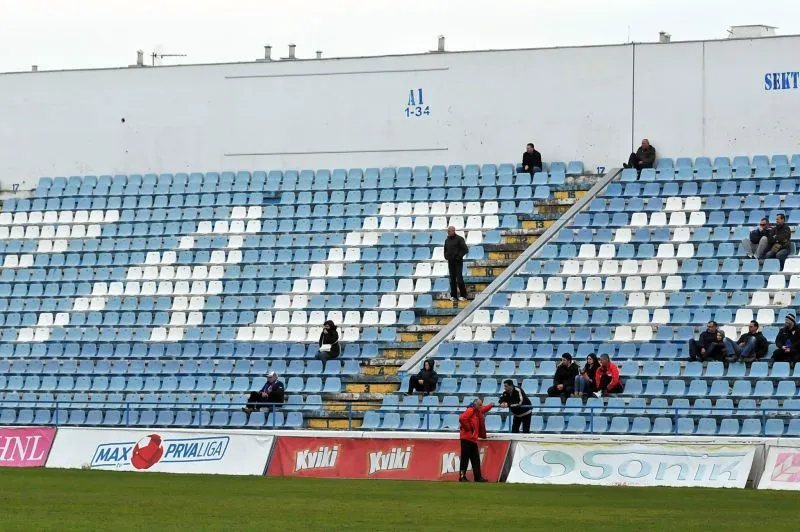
x=592, y=104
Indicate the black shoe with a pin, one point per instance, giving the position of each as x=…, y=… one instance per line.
x=462, y=478
x=481, y=480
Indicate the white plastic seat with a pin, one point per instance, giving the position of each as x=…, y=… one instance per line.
x=183, y=272
x=697, y=218
x=45, y=319
x=386, y=209
x=317, y=286
x=204, y=227
x=474, y=238
x=299, y=317
x=782, y=299
x=61, y=319
x=517, y=300
x=182, y=288
x=481, y=317
x=280, y=334
x=350, y=334
x=405, y=285
x=423, y=269
x=264, y=317
x=335, y=269
x=300, y=286
x=166, y=272
x=538, y=301
x=792, y=265
x=282, y=301
x=281, y=317
x=45, y=246
x=81, y=304
x=238, y=212
x=636, y=299
x=100, y=288
x=535, y=284
x=254, y=212
x=629, y=267
x=483, y=334
x=607, y=251
x=633, y=283
x=640, y=316
x=638, y=219
x=165, y=288
x=253, y=226
x=593, y=284
x=352, y=317
x=463, y=334
x=387, y=223
x=776, y=282
x=197, y=303
x=613, y=284
x=661, y=316
x=317, y=270
x=353, y=239
x=693, y=203
x=158, y=334
x=610, y=267
x=316, y=317
x=677, y=219
x=657, y=299
x=217, y=257
x=570, y=267
x=455, y=208
x=587, y=251
x=554, y=284
x=244, y=334
x=653, y=283
x=421, y=223
x=404, y=209
x=759, y=299
x=369, y=239
x=472, y=207
x=766, y=316
x=439, y=223
x=388, y=301
x=574, y=284
x=32, y=232
x=491, y=222
x=743, y=316
x=623, y=333
x=473, y=222
x=132, y=288
x=299, y=301
x=668, y=267
x=623, y=234
x=177, y=318
x=665, y=251
x=97, y=216
x=26, y=334
x=387, y=317
x=41, y=334
x=421, y=208
x=457, y=222
x=370, y=223
x=673, y=283
x=194, y=318
x=675, y=203
x=438, y=208
x=590, y=267
x=405, y=301
x=644, y=333
x=438, y=254
x=236, y=227
x=352, y=255
x=658, y=219
x=186, y=242
x=261, y=334
x=681, y=234
x=422, y=286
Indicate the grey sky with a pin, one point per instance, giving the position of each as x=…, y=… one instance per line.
x=57, y=34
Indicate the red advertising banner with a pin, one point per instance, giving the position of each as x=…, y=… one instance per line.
x=392, y=458
x=25, y=446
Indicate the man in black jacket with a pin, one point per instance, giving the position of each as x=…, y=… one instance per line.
x=756, y=245
x=781, y=240
x=645, y=157
x=699, y=347
x=455, y=248
x=751, y=345
x=518, y=404
x=531, y=160
x=270, y=395
x=564, y=378
x=788, y=341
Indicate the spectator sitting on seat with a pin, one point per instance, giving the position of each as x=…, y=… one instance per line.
x=564, y=378
x=645, y=157
x=698, y=348
x=424, y=381
x=751, y=345
x=328, y=342
x=781, y=240
x=518, y=404
x=271, y=394
x=607, y=378
x=717, y=349
x=585, y=382
x=531, y=160
x=788, y=341
x=756, y=244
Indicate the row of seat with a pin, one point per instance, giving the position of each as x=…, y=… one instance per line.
x=156, y=367
x=700, y=188
x=708, y=174
x=578, y=424
x=257, y=351
x=119, y=383
x=150, y=418
x=758, y=161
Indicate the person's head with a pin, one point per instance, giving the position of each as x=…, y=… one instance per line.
x=753, y=327
x=789, y=321
x=604, y=361
x=329, y=326
x=272, y=377
x=451, y=231
x=566, y=359
x=427, y=365
x=592, y=359
x=477, y=403
x=645, y=143
x=720, y=335
x=763, y=224
x=711, y=327
x=529, y=147
x=780, y=219
x=508, y=385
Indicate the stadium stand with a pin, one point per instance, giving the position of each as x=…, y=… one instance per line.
x=161, y=300
x=636, y=275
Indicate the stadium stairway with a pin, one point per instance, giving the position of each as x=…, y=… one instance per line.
x=379, y=376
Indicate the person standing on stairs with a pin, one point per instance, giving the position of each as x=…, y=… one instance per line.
x=455, y=249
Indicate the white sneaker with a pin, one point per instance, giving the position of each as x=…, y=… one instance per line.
x=453, y=299
x=462, y=298
x=598, y=394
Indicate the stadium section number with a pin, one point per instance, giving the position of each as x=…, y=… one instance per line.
x=416, y=104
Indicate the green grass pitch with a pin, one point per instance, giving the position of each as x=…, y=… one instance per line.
x=49, y=499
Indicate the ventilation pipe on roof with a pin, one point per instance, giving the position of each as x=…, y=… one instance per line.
x=267, y=52
x=291, y=51
x=140, y=58
x=441, y=44
x=34, y=68
x=664, y=37
x=319, y=54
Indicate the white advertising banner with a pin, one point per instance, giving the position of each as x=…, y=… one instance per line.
x=161, y=451
x=627, y=464
x=782, y=469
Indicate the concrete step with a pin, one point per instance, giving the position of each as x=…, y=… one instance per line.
x=372, y=387
x=400, y=352
x=380, y=371
x=418, y=336
x=332, y=424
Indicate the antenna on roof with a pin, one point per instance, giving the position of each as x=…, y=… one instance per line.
x=158, y=55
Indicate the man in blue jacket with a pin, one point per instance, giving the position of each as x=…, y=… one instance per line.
x=271, y=394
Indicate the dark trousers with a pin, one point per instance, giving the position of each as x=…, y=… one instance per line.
x=415, y=386
x=605, y=380
x=565, y=392
x=779, y=355
x=255, y=401
x=324, y=356
x=524, y=422
x=456, y=267
x=633, y=162
x=471, y=454
x=714, y=352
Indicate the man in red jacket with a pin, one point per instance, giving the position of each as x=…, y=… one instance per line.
x=472, y=428
x=607, y=377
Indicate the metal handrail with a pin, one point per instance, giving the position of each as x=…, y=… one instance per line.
x=446, y=331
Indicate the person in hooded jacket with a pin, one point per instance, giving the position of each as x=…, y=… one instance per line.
x=424, y=381
x=788, y=341
x=515, y=398
x=328, y=342
x=564, y=378
x=472, y=427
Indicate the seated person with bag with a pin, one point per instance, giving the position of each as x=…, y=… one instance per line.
x=424, y=381
x=328, y=342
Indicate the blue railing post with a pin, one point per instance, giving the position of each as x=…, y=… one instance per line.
x=427, y=419
x=763, y=421
x=56, y=423
x=591, y=420
x=350, y=415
